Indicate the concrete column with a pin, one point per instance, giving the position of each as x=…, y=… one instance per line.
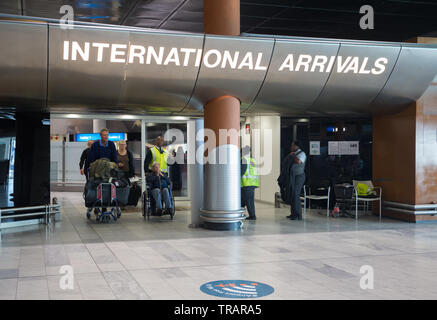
x=222, y=194
x=195, y=145
x=98, y=124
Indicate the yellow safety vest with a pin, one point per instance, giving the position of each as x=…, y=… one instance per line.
x=250, y=176
x=159, y=157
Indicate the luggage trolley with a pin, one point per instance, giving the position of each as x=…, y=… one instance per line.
x=149, y=206
x=106, y=199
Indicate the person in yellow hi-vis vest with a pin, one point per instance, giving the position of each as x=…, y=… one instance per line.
x=156, y=154
x=249, y=181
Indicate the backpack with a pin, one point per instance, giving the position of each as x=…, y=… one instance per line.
x=364, y=190
x=103, y=168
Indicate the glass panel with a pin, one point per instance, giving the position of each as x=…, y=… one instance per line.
x=178, y=149
x=325, y=168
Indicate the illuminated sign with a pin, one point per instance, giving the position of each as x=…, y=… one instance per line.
x=96, y=136
x=214, y=58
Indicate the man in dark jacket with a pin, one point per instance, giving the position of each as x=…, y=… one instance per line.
x=159, y=183
x=297, y=180
x=156, y=154
x=284, y=178
x=292, y=179
x=102, y=148
x=83, y=158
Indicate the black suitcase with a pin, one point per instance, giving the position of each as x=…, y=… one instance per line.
x=134, y=194
x=90, y=192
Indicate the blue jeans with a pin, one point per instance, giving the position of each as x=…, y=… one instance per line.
x=156, y=193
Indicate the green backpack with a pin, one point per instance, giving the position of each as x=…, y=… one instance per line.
x=363, y=189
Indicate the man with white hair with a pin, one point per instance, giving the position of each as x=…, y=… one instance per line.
x=102, y=148
x=159, y=184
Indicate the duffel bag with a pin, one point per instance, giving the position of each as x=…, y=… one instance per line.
x=134, y=194
x=122, y=195
x=90, y=192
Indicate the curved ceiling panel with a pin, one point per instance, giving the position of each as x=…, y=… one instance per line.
x=130, y=70
x=165, y=86
x=293, y=81
x=358, y=75
x=80, y=76
x=124, y=70
x=23, y=65
x=231, y=66
x=415, y=69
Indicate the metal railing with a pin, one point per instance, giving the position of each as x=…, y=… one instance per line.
x=42, y=214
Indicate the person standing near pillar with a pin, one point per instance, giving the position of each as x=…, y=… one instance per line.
x=156, y=154
x=297, y=180
x=249, y=181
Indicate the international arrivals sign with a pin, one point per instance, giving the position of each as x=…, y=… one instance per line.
x=101, y=52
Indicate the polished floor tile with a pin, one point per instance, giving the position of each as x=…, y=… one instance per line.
x=318, y=258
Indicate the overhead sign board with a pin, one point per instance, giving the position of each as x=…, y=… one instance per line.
x=80, y=137
x=96, y=52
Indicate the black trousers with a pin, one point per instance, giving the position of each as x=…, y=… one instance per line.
x=248, y=199
x=296, y=205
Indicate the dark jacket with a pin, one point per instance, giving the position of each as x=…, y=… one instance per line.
x=157, y=181
x=97, y=152
x=83, y=158
x=284, y=178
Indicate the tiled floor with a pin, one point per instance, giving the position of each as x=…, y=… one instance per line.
x=318, y=258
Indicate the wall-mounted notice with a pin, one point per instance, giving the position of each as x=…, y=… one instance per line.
x=343, y=147
x=314, y=148
x=333, y=147
x=354, y=147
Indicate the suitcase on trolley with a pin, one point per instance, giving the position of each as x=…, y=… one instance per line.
x=122, y=190
x=106, y=195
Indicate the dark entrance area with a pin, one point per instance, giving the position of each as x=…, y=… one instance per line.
x=328, y=164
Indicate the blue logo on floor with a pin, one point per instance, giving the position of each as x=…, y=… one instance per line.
x=238, y=289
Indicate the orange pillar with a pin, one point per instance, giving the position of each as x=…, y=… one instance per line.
x=222, y=194
x=221, y=17
x=223, y=113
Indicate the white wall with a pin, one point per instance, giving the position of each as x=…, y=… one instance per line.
x=266, y=148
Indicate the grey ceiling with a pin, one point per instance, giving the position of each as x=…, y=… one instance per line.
x=395, y=20
x=42, y=75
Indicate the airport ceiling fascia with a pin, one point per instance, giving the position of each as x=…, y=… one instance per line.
x=99, y=68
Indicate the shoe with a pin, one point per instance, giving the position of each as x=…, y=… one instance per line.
x=250, y=218
x=292, y=218
x=289, y=217
x=159, y=211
